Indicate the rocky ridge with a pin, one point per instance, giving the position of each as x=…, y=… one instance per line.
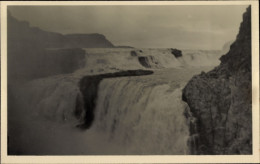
x=22, y=31
x=220, y=101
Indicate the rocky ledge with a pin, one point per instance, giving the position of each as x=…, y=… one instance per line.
x=177, y=53
x=220, y=101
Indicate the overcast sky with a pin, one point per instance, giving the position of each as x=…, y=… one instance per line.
x=183, y=27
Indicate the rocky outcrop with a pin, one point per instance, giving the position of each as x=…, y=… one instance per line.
x=177, y=53
x=220, y=101
x=144, y=61
x=133, y=53
x=86, y=101
x=226, y=47
x=124, y=47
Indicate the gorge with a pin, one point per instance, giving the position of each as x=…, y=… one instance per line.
x=78, y=94
x=221, y=100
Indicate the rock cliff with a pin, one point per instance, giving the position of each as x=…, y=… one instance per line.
x=24, y=32
x=220, y=101
x=34, y=53
x=226, y=47
x=177, y=53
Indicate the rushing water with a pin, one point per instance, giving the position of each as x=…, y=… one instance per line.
x=133, y=115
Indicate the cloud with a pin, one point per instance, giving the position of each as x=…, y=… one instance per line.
x=194, y=27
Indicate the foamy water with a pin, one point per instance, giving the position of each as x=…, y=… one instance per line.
x=133, y=115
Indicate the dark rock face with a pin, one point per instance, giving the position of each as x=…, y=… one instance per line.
x=133, y=53
x=123, y=46
x=226, y=47
x=89, y=89
x=144, y=61
x=177, y=53
x=220, y=101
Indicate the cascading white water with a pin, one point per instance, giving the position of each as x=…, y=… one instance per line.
x=143, y=117
x=133, y=115
x=102, y=60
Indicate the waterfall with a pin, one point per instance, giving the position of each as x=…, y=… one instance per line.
x=131, y=114
x=143, y=117
x=102, y=60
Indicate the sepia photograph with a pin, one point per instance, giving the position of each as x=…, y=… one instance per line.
x=124, y=80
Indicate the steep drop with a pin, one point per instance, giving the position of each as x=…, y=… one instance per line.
x=133, y=115
x=221, y=100
x=89, y=88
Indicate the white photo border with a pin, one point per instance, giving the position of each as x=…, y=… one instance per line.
x=254, y=158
